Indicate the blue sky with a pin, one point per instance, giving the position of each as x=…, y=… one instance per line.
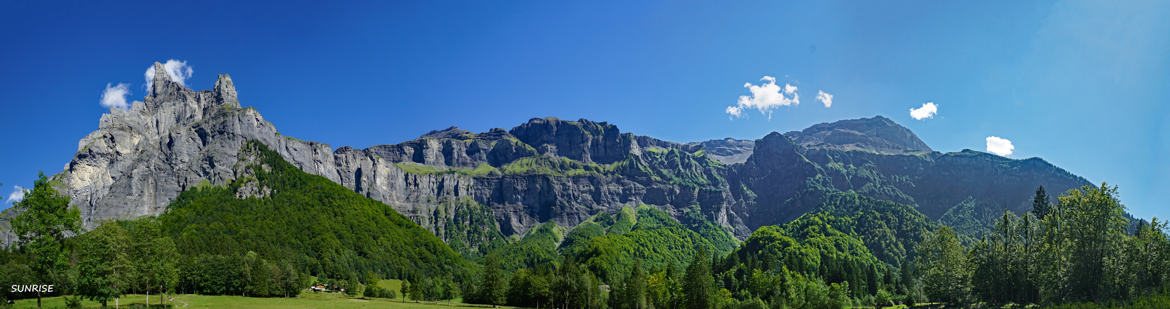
x=1080, y=84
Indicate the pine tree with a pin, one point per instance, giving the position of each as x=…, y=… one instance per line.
x=1040, y=205
x=635, y=288
x=699, y=285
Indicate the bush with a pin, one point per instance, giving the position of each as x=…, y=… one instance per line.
x=375, y=291
x=73, y=301
x=353, y=289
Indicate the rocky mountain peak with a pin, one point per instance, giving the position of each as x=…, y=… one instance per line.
x=583, y=140
x=225, y=90
x=877, y=134
x=450, y=132
x=163, y=88
x=549, y=126
x=494, y=134
x=159, y=67
x=140, y=158
x=775, y=143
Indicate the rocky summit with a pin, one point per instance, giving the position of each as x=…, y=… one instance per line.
x=878, y=134
x=140, y=159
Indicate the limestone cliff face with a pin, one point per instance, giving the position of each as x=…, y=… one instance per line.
x=141, y=158
x=520, y=200
x=547, y=169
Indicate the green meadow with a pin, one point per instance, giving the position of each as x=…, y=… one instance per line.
x=305, y=300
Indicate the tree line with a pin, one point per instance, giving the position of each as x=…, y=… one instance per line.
x=1076, y=249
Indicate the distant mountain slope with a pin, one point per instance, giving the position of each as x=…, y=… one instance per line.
x=790, y=178
x=878, y=134
x=936, y=182
x=451, y=180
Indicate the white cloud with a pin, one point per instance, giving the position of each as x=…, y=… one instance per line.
x=765, y=97
x=734, y=111
x=115, y=96
x=928, y=110
x=177, y=70
x=17, y=195
x=999, y=146
x=825, y=98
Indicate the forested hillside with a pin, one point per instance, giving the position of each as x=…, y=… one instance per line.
x=283, y=213
x=858, y=251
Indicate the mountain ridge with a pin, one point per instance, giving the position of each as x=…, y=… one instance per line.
x=545, y=169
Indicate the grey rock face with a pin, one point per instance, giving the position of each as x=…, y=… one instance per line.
x=140, y=159
x=582, y=140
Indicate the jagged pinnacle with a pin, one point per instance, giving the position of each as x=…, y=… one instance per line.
x=158, y=67
x=162, y=84
x=226, y=90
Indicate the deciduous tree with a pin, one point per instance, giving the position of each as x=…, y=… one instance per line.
x=42, y=227
x=101, y=263
x=942, y=265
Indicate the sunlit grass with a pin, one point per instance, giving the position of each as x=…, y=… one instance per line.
x=305, y=300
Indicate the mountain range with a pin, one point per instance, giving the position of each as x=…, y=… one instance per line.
x=141, y=159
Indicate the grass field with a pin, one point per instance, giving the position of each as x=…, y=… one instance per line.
x=396, y=286
x=391, y=284
x=305, y=300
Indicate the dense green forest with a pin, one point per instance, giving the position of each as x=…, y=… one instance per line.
x=287, y=225
x=265, y=234
x=277, y=229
